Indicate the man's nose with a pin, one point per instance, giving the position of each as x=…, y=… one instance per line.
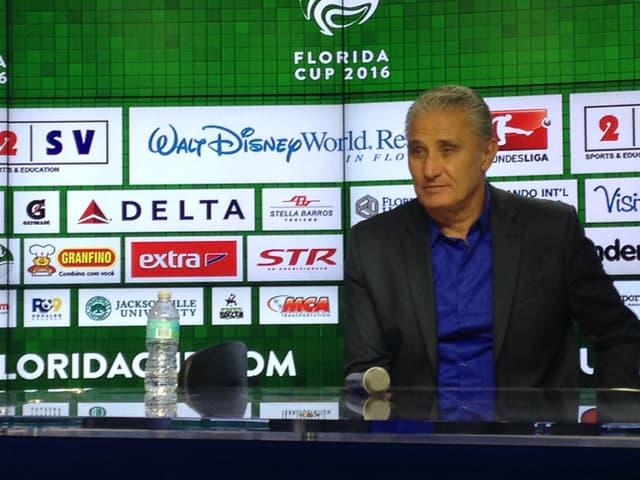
x=432, y=167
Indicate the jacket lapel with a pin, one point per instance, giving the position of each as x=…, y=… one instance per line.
x=416, y=255
x=506, y=238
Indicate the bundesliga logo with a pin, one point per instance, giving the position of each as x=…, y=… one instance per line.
x=335, y=14
x=521, y=129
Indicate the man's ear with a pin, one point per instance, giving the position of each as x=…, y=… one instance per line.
x=490, y=150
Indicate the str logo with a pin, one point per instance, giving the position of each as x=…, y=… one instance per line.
x=332, y=15
x=298, y=258
x=521, y=129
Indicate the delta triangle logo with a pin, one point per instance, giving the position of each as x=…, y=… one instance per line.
x=93, y=215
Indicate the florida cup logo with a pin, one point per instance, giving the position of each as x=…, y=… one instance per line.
x=335, y=14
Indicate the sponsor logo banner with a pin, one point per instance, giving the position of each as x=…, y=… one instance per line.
x=231, y=306
x=160, y=210
x=529, y=134
x=618, y=247
x=10, y=261
x=36, y=212
x=367, y=202
x=300, y=410
x=47, y=308
x=129, y=307
x=240, y=144
x=376, y=147
x=605, y=132
x=289, y=305
x=301, y=209
x=180, y=259
x=8, y=308
x=72, y=260
x=562, y=190
x=2, y=215
x=612, y=199
x=295, y=257
x=629, y=291
x=45, y=409
x=111, y=409
x=62, y=146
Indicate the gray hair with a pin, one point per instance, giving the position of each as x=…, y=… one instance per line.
x=453, y=97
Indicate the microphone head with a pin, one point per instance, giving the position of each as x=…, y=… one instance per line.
x=376, y=380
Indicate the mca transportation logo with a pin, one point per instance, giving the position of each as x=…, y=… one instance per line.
x=332, y=15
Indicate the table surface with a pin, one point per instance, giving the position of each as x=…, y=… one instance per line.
x=501, y=417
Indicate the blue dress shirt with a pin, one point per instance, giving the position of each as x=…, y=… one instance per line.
x=463, y=286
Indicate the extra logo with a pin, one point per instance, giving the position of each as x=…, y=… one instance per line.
x=197, y=259
x=332, y=15
x=521, y=129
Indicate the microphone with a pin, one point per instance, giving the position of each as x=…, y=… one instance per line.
x=372, y=380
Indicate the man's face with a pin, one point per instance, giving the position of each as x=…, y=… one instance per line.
x=447, y=160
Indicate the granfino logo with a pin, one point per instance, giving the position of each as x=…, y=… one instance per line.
x=332, y=15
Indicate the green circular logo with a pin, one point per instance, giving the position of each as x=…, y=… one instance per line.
x=98, y=308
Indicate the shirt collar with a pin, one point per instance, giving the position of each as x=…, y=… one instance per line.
x=482, y=223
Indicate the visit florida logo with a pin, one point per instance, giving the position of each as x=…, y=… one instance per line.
x=331, y=15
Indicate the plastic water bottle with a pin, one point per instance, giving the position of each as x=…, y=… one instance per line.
x=161, y=373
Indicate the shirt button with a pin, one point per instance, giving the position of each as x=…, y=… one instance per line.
x=462, y=364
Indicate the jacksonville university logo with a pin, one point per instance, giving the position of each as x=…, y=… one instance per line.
x=336, y=14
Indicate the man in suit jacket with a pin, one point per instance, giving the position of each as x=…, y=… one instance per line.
x=472, y=286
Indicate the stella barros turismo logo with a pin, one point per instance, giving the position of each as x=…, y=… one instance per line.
x=331, y=15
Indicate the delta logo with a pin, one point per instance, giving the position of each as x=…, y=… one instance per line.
x=290, y=306
x=521, y=129
x=193, y=258
x=93, y=214
x=86, y=257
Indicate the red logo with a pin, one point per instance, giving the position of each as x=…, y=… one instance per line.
x=291, y=257
x=521, y=129
x=300, y=201
x=93, y=214
x=206, y=258
x=287, y=304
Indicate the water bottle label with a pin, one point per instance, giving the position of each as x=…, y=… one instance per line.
x=163, y=330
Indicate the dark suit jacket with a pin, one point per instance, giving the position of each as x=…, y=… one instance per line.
x=547, y=280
